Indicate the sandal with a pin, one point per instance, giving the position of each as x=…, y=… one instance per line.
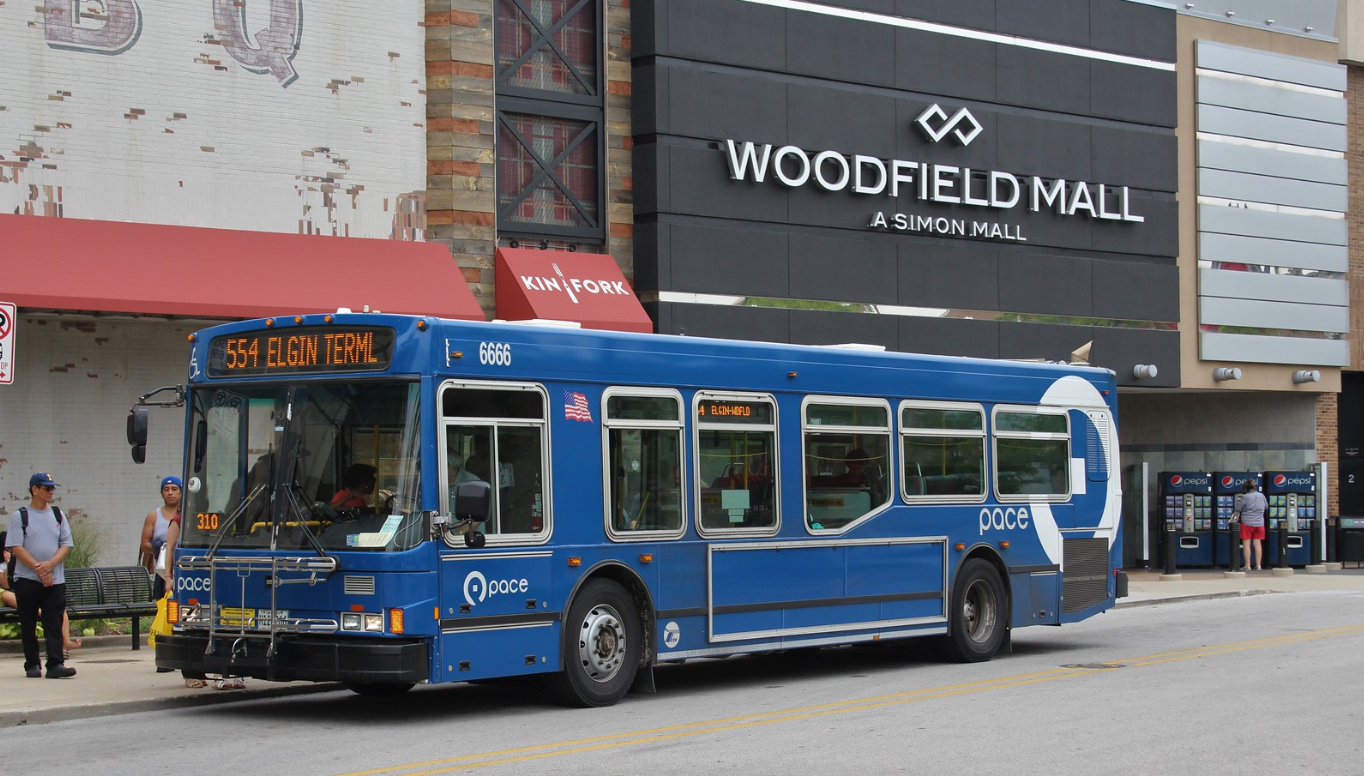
x=195, y=684
x=233, y=683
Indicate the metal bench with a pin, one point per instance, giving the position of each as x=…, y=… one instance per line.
x=122, y=592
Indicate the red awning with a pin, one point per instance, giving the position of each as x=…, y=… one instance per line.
x=567, y=286
x=112, y=266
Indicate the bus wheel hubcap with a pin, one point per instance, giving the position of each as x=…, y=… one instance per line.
x=978, y=612
x=601, y=643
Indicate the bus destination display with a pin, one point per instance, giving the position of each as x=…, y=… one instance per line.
x=304, y=350
x=722, y=411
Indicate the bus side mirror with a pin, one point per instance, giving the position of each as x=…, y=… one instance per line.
x=137, y=426
x=473, y=501
x=137, y=433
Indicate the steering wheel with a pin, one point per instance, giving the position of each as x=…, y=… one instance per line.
x=324, y=512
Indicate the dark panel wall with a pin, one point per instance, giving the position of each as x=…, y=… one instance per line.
x=709, y=70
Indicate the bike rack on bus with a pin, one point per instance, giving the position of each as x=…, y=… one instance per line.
x=244, y=567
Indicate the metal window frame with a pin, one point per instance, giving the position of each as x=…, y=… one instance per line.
x=594, y=117
x=595, y=87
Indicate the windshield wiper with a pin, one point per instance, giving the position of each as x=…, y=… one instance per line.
x=301, y=516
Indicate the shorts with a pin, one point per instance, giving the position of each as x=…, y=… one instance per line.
x=1252, y=531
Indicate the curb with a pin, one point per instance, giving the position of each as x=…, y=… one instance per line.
x=1193, y=597
x=16, y=646
x=43, y=716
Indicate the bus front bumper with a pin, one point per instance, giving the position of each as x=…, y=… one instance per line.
x=302, y=658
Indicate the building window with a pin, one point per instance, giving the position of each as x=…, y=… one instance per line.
x=548, y=46
x=550, y=175
x=547, y=174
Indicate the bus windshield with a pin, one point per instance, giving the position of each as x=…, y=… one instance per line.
x=313, y=467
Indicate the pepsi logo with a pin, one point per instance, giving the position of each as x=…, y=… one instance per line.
x=1228, y=481
x=1176, y=480
x=1279, y=480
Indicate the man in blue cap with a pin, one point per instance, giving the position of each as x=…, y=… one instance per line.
x=40, y=539
x=154, y=529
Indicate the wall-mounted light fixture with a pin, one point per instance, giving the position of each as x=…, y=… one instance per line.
x=1144, y=371
x=1306, y=376
x=1225, y=373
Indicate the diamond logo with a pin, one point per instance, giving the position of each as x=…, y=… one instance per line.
x=958, y=124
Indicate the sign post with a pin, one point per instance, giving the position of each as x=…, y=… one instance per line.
x=7, y=325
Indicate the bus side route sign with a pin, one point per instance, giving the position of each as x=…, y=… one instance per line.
x=7, y=325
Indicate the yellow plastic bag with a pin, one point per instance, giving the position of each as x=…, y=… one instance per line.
x=161, y=624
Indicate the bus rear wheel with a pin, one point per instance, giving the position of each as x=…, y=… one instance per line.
x=601, y=647
x=978, y=618
x=378, y=689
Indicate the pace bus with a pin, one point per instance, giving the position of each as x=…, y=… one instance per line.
x=387, y=500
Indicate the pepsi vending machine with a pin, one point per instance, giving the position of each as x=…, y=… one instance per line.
x=1227, y=492
x=1186, y=498
x=1293, y=502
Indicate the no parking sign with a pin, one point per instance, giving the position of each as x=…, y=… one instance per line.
x=6, y=343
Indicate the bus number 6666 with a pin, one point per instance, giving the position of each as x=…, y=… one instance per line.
x=494, y=353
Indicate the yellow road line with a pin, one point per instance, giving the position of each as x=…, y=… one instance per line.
x=692, y=729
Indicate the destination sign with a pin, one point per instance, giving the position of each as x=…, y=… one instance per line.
x=304, y=350
x=721, y=411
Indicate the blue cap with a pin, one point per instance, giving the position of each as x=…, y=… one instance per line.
x=41, y=478
x=172, y=480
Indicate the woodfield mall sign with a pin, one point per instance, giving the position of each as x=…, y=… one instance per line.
x=927, y=182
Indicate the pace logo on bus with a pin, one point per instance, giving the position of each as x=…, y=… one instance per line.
x=190, y=584
x=478, y=588
x=999, y=519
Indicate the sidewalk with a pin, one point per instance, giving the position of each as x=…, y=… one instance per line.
x=114, y=679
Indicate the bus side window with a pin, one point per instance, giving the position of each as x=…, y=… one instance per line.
x=736, y=443
x=498, y=436
x=847, y=457
x=644, y=456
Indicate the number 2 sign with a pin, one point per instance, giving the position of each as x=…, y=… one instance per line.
x=7, y=325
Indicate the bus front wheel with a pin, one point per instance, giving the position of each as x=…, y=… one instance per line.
x=979, y=614
x=601, y=647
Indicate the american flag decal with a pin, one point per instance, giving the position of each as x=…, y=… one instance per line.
x=575, y=407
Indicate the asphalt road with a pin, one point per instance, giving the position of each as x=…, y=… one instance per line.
x=1270, y=684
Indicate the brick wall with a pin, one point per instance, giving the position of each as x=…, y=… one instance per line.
x=1328, y=445
x=1354, y=156
x=461, y=134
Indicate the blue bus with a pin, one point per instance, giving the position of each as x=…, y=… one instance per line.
x=585, y=505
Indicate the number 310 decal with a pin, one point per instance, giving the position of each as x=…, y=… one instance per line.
x=494, y=353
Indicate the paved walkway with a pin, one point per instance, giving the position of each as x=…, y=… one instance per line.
x=114, y=679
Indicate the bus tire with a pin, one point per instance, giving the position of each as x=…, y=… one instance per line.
x=378, y=689
x=978, y=619
x=601, y=647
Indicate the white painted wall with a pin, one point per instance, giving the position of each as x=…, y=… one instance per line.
x=66, y=415
x=156, y=112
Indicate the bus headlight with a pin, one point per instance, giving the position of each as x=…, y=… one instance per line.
x=374, y=623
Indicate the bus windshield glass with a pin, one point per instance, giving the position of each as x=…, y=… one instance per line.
x=314, y=467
